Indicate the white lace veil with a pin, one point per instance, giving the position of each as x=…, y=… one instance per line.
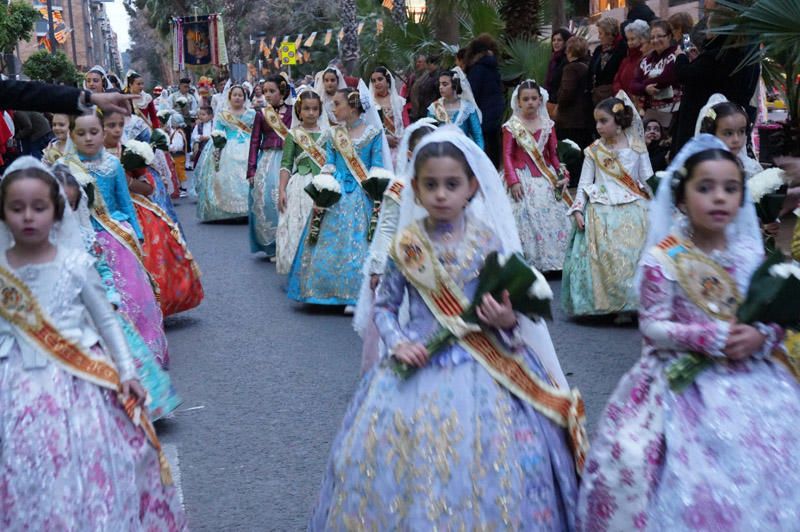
x=491, y=206
x=102, y=71
x=635, y=132
x=663, y=214
x=403, y=167
x=704, y=111
x=373, y=119
x=66, y=233
x=226, y=103
x=466, y=90
x=397, y=103
x=322, y=121
x=319, y=84
x=544, y=116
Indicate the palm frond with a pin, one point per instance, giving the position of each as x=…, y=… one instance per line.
x=525, y=58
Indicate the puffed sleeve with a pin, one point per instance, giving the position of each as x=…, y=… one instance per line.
x=255, y=144
x=510, y=173
x=657, y=321
x=94, y=298
x=376, y=151
x=288, y=155
x=122, y=197
x=586, y=180
x=551, y=150
x=645, y=168
x=475, y=131
x=388, y=298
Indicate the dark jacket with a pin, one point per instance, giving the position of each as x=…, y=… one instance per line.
x=484, y=78
x=574, y=101
x=554, y=71
x=711, y=72
x=603, y=76
x=36, y=96
x=640, y=12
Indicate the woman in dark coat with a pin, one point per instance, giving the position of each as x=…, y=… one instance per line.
x=606, y=59
x=487, y=87
x=558, y=60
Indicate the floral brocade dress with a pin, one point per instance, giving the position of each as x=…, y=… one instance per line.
x=448, y=448
x=722, y=454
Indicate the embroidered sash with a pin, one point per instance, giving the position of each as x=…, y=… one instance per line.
x=395, y=191
x=19, y=307
x=306, y=141
x=707, y=284
x=100, y=213
x=344, y=144
x=440, y=111
x=230, y=117
x=528, y=143
x=274, y=121
x=413, y=253
x=608, y=161
x=388, y=121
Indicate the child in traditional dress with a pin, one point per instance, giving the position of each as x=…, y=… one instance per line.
x=728, y=122
x=326, y=83
x=72, y=458
x=610, y=212
x=451, y=108
x=721, y=453
x=441, y=447
x=55, y=150
x=534, y=179
x=304, y=153
x=264, y=165
x=201, y=132
x=178, y=147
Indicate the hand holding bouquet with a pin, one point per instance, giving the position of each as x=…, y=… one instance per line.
x=325, y=190
x=768, y=190
x=773, y=297
x=219, y=139
x=136, y=155
x=375, y=185
x=528, y=290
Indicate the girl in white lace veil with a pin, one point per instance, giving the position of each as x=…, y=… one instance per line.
x=397, y=102
x=319, y=86
x=544, y=116
x=97, y=69
x=373, y=119
x=322, y=121
x=491, y=206
x=466, y=90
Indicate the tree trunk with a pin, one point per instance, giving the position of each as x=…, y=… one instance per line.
x=522, y=17
x=559, y=15
x=349, y=46
x=445, y=20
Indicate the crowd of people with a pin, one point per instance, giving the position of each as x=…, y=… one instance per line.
x=391, y=199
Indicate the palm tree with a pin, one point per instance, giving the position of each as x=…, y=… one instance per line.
x=522, y=17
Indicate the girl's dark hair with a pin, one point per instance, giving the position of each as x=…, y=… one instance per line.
x=442, y=149
x=353, y=98
x=623, y=117
x=454, y=80
x=528, y=84
x=65, y=177
x=330, y=71
x=73, y=118
x=721, y=110
x=281, y=83
x=33, y=173
x=418, y=135
x=565, y=34
x=385, y=73
x=130, y=79
x=684, y=174
x=208, y=109
x=304, y=97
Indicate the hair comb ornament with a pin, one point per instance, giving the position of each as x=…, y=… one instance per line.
x=618, y=107
x=712, y=114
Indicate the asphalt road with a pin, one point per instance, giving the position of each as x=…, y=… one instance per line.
x=266, y=381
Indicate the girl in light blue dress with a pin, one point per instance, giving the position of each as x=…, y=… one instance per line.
x=452, y=108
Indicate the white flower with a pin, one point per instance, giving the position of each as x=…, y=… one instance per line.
x=218, y=133
x=540, y=289
x=572, y=144
x=326, y=182
x=181, y=100
x=164, y=114
x=502, y=258
x=380, y=173
x=142, y=149
x=328, y=169
x=785, y=270
x=765, y=182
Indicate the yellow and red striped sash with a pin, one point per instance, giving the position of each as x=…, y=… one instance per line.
x=395, y=192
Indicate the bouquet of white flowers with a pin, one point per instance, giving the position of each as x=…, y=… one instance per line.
x=163, y=115
x=768, y=190
x=181, y=101
x=136, y=155
x=375, y=185
x=219, y=139
x=159, y=140
x=325, y=190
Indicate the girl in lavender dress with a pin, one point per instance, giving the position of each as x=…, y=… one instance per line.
x=721, y=454
x=450, y=446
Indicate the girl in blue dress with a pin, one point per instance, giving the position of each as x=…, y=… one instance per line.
x=452, y=108
x=328, y=272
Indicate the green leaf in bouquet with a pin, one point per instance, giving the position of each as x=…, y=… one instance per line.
x=762, y=292
x=311, y=190
x=769, y=208
x=375, y=187
x=683, y=372
x=653, y=182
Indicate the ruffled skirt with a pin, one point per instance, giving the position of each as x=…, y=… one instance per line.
x=262, y=203
x=292, y=221
x=222, y=195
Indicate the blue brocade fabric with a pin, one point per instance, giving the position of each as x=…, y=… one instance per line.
x=448, y=448
x=111, y=182
x=262, y=203
x=329, y=271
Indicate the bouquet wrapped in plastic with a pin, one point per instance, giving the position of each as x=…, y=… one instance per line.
x=219, y=139
x=375, y=185
x=159, y=140
x=325, y=190
x=768, y=190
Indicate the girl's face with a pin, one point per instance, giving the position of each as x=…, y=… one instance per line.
x=309, y=112
x=558, y=42
x=605, y=124
x=236, y=97
x=88, y=135
x=113, y=126
x=258, y=91
x=341, y=109
x=60, y=127
x=634, y=40
x=94, y=82
x=446, y=87
x=713, y=195
x=732, y=130
x=272, y=94
x=379, y=82
x=137, y=86
x=443, y=188
x=29, y=211
x=331, y=82
x=652, y=132
x=529, y=102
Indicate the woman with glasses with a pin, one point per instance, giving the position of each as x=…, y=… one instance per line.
x=656, y=79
